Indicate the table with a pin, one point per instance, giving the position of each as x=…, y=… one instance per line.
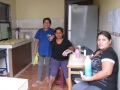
x=74, y=63
x=7, y=83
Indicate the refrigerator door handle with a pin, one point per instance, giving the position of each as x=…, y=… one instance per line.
x=69, y=21
x=69, y=35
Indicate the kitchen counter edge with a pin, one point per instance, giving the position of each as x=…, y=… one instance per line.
x=16, y=45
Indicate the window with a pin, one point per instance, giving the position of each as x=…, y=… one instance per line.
x=4, y=12
x=5, y=26
x=5, y=31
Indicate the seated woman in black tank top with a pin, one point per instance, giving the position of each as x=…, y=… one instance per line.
x=104, y=67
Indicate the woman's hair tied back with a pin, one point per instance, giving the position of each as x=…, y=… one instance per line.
x=105, y=33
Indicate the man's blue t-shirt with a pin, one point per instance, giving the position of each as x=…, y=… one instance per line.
x=44, y=45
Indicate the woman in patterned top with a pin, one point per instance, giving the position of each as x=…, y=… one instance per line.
x=104, y=67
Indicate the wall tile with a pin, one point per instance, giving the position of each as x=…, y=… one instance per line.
x=105, y=25
x=14, y=24
x=32, y=32
x=32, y=25
x=38, y=23
x=119, y=78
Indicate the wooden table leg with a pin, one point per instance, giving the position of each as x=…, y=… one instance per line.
x=69, y=79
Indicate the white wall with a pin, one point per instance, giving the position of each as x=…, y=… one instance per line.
x=106, y=6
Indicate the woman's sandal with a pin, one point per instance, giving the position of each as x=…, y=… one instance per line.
x=36, y=83
x=46, y=79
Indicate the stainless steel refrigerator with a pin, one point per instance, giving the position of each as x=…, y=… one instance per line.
x=83, y=25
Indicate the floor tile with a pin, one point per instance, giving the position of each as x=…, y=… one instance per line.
x=31, y=74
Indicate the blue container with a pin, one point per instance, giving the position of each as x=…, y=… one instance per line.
x=88, y=67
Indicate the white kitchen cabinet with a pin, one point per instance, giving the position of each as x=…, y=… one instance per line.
x=7, y=83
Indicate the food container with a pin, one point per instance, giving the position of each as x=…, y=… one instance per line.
x=28, y=35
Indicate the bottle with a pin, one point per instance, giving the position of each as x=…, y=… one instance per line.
x=16, y=34
x=77, y=54
x=84, y=52
x=79, y=49
x=88, y=67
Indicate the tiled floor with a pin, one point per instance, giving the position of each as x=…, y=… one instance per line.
x=31, y=74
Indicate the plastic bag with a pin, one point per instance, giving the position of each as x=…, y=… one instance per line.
x=36, y=59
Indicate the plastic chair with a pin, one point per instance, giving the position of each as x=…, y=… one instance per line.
x=60, y=78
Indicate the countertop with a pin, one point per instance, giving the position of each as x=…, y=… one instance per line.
x=16, y=45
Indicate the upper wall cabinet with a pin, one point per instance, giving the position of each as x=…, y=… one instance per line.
x=78, y=2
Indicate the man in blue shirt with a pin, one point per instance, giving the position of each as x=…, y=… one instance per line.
x=42, y=45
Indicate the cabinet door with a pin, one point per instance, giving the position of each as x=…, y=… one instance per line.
x=16, y=57
x=29, y=53
x=27, y=57
x=21, y=57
